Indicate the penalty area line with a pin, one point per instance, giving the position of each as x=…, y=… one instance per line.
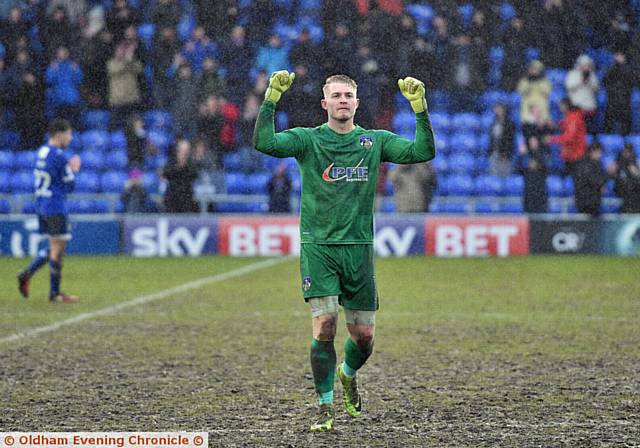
x=144, y=299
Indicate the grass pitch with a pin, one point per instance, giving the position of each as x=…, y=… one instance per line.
x=537, y=351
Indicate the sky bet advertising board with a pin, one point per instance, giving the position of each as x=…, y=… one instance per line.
x=476, y=236
x=272, y=236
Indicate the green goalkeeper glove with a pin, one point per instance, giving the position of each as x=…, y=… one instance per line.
x=278, y=84
x=414, y=91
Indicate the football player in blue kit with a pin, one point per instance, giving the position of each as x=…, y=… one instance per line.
x=54, y=178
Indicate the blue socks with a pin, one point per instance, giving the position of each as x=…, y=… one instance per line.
x=38, y=262
x=56, y=273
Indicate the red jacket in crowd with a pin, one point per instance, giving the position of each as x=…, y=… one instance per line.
x=573, y=140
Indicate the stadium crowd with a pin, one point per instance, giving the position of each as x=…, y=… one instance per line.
x=181, y=81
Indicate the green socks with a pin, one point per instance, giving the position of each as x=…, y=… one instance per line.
x=323, y=365
x=354, y=358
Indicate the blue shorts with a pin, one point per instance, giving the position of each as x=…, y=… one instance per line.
x=56, y=226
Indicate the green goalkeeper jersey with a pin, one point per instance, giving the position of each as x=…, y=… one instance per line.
x=339, y=172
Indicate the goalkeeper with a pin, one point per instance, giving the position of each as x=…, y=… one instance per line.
x=339, y=163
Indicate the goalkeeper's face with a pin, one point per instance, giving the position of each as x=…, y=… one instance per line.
x=340, y=101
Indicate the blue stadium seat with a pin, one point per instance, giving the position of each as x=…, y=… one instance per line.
x=507, y=12
x=80, y=206
x=5, y=207
x=466, y=121
x=95, y=140
x=422, y=15
x=454, y=208
x=119, y=208
x=567, y=187
x=87, y=182
x=118, y=140
x=29, y=207
x=233, y=161
x=155, y=162
x=282, y=120
x=439, y=101
x=5, y=181
x=388, y=188
x=235, y=183
x=113, y=181
x=101, y=206
x=185, y=26
x=611, y=143
x=487, y=207
x=151, y=182
x=556, y=76
x=531, y=54
x=22, y=182
x=145, y=33
x=482, y=147
x=609, y=208
x=404, y=122
x=488, y=185
x=401, y=103
x=440, y=164
x=462, y=163
x=116, y=160
x=241, y=207
x=442, y=144
x=491, y=97
x=635, y=141
x=257, y=183
x=96, y=119
x=440, y=121
x=496, y=55
x=481, y=165
x=463, y=142
x=156, y=119
x=465, y=12
x=388, y=206
x=25, y=160
x=310, y=5
x=92, y=160
x=459, y=185
x=6, y=159
x=511, y=208
x=486, y=120
x=555, y=186
x=160, y=139
x=513, y=186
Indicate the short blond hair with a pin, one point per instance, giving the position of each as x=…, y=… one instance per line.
x=342, y=79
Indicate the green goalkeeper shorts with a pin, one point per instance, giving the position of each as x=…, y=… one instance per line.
x=343, y=270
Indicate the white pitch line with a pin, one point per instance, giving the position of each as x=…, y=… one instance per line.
x=141, y=300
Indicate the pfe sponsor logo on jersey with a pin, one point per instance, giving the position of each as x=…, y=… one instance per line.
x=347, y=173
x=366, y=141
x=306, y=283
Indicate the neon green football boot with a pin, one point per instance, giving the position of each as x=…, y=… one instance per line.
x=324, y=420
x=350, y=395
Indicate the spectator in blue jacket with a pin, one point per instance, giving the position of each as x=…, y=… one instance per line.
x=273, y=56
x=63, y=78
x=198, y=48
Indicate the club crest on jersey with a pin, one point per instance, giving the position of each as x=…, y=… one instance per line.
x=347, y=173
x=366, y=141
x=306, y=283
